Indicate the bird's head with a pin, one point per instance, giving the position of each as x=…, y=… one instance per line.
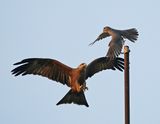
x=82, y=66
x=106, y=29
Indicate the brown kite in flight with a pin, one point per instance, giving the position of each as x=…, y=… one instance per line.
x=72, y=77
x=117, y=41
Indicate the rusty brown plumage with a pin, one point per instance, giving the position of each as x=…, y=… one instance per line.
x=75, y=78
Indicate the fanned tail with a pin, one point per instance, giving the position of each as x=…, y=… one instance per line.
x=74, y=97
x=130, y=34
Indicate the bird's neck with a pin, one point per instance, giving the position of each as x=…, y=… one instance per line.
x=114, y=33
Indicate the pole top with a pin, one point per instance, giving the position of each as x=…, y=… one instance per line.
x=126, y=49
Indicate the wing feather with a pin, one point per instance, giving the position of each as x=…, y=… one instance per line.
x=49, y=68
x=115, y=48
x=100, y=37
x=104, y=63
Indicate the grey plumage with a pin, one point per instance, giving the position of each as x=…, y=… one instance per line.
x=117, y=41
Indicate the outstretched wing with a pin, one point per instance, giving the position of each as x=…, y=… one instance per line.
x=115, y=48
x=100, y=37
x=104, y=63
x=49, y=68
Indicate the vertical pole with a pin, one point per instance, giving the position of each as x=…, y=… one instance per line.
x=126, y=84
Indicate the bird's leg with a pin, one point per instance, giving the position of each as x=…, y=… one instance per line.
x=84, y=87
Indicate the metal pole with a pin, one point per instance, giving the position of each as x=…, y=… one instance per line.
x=126, y=84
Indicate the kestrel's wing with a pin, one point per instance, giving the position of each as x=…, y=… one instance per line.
x=49, y=68
x=100, y=37
x=130, y=34
x=104, y=63
x=115, y=48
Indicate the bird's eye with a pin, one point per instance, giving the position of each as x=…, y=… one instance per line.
x=105, y=28
x=83, y=64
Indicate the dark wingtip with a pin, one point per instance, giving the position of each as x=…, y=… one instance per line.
x=120, y=59
x=20, y=69
x=21, y=62
x=92, y=43
x=17, y=63
x=119, y=64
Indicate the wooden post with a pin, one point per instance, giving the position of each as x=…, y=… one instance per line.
x=126, y=85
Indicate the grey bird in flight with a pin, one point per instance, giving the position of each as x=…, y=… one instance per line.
x=118, y=39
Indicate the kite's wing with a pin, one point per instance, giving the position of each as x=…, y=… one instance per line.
x=49, y=68
x=104, y=63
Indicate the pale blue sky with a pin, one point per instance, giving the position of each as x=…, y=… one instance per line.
x=62, y=30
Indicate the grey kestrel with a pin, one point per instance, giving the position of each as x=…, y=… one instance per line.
x=118, y=39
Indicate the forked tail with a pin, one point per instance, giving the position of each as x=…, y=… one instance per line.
x=74, y=97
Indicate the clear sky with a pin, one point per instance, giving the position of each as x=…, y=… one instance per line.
x=62, y=30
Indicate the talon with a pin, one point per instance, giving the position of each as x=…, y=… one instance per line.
x=83, y=87
x=86, y=88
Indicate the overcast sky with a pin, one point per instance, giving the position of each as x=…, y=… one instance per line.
x=62, y=30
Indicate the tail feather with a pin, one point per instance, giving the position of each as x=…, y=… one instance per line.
x=73, y=97
x=130, y=34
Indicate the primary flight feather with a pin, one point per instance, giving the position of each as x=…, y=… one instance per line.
x=75, y=78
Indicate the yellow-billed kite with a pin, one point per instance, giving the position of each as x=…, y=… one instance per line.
x=75, y=78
